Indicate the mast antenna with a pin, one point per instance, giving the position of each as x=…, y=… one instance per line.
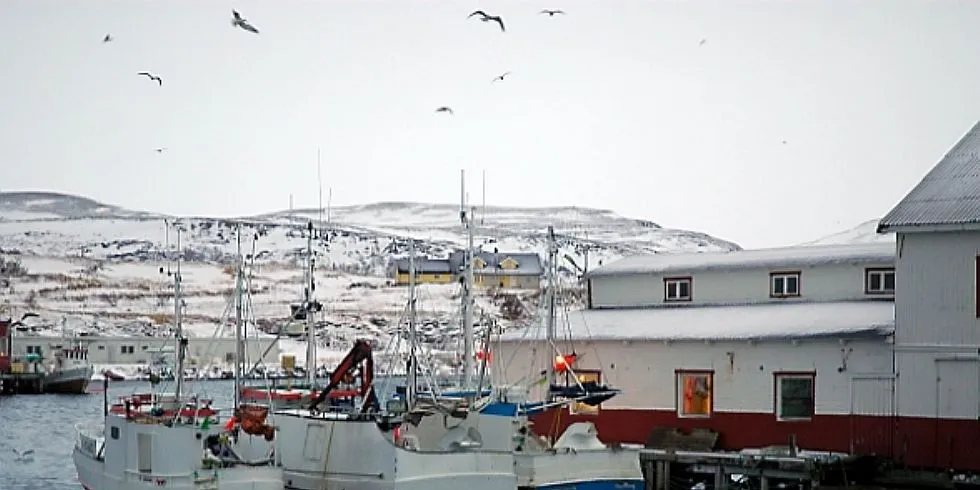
x=319, y=180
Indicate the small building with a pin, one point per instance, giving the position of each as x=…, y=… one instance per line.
x=937, y=313
x=757, y=345
x=427, y=271
x=519, y=270
x=490, y=270
x=141, y=350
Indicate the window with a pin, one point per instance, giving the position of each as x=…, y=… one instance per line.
x=794, y=396
x=695, y=393
x=677, y=289
x=879, y=281
x=784, y=284
x=586, y=376
x=126, y=349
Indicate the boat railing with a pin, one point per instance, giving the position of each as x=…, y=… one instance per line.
x=90, y=439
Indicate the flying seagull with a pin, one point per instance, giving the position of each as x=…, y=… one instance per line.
x=445, y=109
x=23, y=456
x=152, y=77
x=702, y=42
x=500, y=78
x=107, y=38
x=239, y=21
x=551, y=13
x=487, y=18
x=160, y=150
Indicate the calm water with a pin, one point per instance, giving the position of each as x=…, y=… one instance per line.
x=46, y=424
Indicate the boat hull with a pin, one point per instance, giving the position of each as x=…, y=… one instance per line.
x=92, y=476
x=72, y=381
x=357, y=455
x=580, y=470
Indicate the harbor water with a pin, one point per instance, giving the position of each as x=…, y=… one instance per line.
x=46, y=424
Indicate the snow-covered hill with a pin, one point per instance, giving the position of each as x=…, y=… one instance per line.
x=863, y=233
x=98, y=267
x=359, y=239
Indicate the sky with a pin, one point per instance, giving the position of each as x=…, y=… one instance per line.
x=793, y=120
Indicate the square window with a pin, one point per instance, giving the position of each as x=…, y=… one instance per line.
x=784, y=284
x=695, y=394
x=677, y=289
x=879, y=281
x=795, y=396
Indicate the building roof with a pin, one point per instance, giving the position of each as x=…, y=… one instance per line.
x=528, y=263
x=772, y=258
x=948, y=197
x=747, y=322
x=424, y=266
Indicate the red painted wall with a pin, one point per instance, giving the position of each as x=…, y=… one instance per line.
x=918, y=442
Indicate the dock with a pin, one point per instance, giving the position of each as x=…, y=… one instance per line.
x=21, y=383
x=668, y=469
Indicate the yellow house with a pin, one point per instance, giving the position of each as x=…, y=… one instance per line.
x=503, y=270
x=427, y=271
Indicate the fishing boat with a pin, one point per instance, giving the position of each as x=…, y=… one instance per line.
x=578, y=458
x=296, y=393
x=175, y=440
x=358, y=444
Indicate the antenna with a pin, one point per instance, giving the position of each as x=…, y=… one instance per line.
x=483, y=212
x=329, y=198
x=462, y=195
x=319, y=180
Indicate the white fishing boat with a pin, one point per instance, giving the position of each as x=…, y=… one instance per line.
x=578, y=458
x=175, y=441
x=295, y=393
x=356, y=444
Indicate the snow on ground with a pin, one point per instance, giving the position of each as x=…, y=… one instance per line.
x=100, y=269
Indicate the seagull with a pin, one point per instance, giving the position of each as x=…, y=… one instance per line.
x=445, y=109
x=500, y=78
x=702, y=42
x=239, y=21
x=487, y=18
x=107, y=38
x=159, y=150
x=23, y=456
x=152, y=77
x=551, y=13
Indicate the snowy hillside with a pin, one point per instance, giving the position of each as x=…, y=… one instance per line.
x=359, y=239
x=863, y=233
x=102, y=269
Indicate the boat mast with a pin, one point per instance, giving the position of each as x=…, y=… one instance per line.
x=310, y=308
x=550, y=324
x=412, y=387
x=467, y=220
x=239, y=345
x=178, y=321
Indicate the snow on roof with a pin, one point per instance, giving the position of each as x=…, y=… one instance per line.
x=783, y=257
x=759, y=321
x=948, y=195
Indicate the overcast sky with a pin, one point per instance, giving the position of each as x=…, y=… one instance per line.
x=615, y=105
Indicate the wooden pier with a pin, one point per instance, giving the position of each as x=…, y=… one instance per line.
x=21, y=383
x=667, y=469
